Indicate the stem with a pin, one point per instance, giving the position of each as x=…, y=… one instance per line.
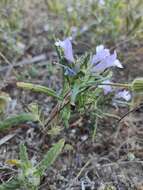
x=127, y=86
x=83, y=168
x=95, y=129
x=58, y=108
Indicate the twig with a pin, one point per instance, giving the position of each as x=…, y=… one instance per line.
x=58, y=108
x=6, y=138
x=82, y=169
x=36, y=59
x=4, y=58
x=123, y=163
x=9, y=65
x=131, y=111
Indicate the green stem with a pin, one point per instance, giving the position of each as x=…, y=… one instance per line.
x=95, y=129
x=127, y=86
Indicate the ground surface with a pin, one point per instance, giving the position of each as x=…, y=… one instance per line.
x=112, y=161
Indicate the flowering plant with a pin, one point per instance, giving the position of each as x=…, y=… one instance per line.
x=87, y=88
x=88, y=79
x=87, y=84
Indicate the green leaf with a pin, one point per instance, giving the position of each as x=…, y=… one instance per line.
x=27, y=177
x=136, y=25
x=35, y=110
x=4, y=100
x=25, y=163
x=38, y=88
x=49, y=158
x=137, y=85
x=17, y=119
x=55, y=130
x=75, y=92
x=65, y=115
x=14, y=184
x=86, y=59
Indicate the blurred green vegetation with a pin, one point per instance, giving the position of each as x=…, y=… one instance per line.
x=92, y=22
x=109, y=21
x=10, y=26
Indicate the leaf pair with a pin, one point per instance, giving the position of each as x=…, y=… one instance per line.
x=29, y=176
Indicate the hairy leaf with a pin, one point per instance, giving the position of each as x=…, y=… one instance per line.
x=25, y=163
x=49, y=158
x=15, y=120
x=38, y=88
x=11, y=185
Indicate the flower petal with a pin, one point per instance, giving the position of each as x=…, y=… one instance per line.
x=124, y=94
x=118, y=64
x=101, y=53
x=103, y=60
x=106, y=88
x=67, y=47
x=99, y=48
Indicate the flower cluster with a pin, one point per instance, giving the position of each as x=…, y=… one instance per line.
x=119, y=94
x=99, y=62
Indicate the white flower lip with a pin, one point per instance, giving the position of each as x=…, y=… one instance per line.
x=124, y=94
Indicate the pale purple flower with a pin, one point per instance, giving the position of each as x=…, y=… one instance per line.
x=101, y=53
x=103, y=60
x=67, y=47
x=101, y=2
x=124, y=94
x=106, y=88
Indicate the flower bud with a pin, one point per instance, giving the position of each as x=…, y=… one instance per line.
x=137, y=85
